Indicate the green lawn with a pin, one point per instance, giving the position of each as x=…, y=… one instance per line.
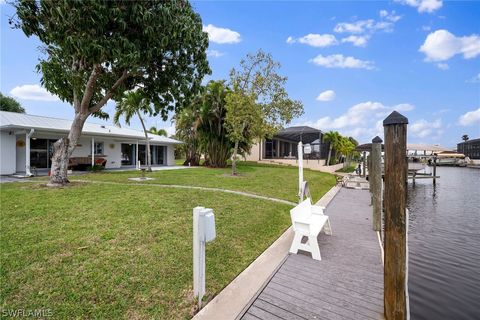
x=115, y=251
x=351, y=168
x=268, y=180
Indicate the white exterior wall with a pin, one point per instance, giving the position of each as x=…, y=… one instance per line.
x=170, y=155
x=13, y=157
x=7, y=154
x=254, y=154
x=20, y=157
x=111, y=150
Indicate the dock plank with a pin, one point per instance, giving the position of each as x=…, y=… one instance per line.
x=346, y=284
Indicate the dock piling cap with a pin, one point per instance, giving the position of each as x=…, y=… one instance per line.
x=395, y=118
x=377, y=139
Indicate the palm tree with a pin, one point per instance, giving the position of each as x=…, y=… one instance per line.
x=201, y=125
x=210, y=124
x=186, y=131
x=134, y=103
x=333, y=139
x=346, y=148
x=465, y=137
x=158, y=132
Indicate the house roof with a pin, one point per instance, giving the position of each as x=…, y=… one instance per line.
x=470, y=141
x=299, y=133
x=12, y=120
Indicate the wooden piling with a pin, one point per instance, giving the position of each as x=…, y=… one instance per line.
x=435, y=170
x=396, y=169
x=375, y=180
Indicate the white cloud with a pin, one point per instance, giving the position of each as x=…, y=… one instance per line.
x=443, y=66
x=364, y=26
x=361, y=30
x=469, y=118
x=315, y=40
x=390, y=16
x=358, y=41
x=356, y=27
x=363, y=121
x=423, y=128
x=340, y=61
x=423, y=5
x=214, y=53
x=318, y=40
x=32, y=92
x=290, y=40
x=221, y=35
x=441, y=45
x=327, y=95
x=475, y=79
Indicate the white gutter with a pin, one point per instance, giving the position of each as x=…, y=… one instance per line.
x=28, y=173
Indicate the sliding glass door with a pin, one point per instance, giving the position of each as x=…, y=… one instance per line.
x=128, y=154
x=157, y=153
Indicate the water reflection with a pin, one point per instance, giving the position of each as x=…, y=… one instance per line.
x=444, y=244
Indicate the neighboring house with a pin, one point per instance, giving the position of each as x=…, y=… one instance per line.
x=282, y=148
x=27, y=142
x=470, y=148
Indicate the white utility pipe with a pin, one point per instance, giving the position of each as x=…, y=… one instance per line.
x=93, y=152
x=136, y=156
x=300, y=170
x=28, y=173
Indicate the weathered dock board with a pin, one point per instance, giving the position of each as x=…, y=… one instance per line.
x=346, y=284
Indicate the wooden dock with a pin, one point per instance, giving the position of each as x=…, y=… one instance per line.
x=346, y=284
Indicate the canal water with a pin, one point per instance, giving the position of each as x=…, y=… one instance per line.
x=444, y=245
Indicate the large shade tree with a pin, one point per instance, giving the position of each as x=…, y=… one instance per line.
x=258, y=105
x=97, y=50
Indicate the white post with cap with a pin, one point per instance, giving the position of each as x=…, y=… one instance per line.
x=203, y=232
x=300, y=170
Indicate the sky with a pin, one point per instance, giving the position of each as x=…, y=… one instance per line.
x=350, y=63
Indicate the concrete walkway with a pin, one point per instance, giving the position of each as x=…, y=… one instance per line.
x=346, y=284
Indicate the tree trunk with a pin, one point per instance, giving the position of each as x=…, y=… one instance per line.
x=329, y=154
x=234, y=159
x=63, y=149
x=149, y=155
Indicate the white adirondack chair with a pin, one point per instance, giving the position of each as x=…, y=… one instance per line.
x=308, y=221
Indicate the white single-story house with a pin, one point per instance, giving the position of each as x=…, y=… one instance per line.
x=26, y=142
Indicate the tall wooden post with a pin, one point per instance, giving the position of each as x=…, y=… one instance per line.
x=396, y=167
x=375, y=180
x=435, y=170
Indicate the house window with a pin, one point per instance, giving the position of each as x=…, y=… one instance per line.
x=98, y=148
